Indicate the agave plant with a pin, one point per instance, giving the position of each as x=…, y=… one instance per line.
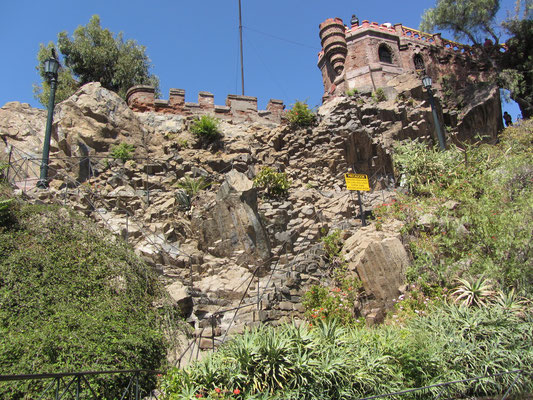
x=476, y=292
x=511, y=301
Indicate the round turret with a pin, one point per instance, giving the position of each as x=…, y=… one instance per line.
x=333, y=38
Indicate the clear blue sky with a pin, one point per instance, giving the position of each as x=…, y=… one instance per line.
x=194, y=45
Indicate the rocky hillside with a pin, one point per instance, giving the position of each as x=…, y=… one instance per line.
x=229, y=255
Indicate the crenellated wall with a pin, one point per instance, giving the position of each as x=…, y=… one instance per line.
x=367, y=55
x=142, y=99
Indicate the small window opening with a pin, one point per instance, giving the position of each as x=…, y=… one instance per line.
x=385, y=55
x=419, y=62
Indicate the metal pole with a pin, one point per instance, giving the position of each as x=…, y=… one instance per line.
x=240, y=35
x=440, y=136
x=9, y=163
x=363, y=220
x=78, y=387
x=137, y=392
x=43, y=180
x=213, y=331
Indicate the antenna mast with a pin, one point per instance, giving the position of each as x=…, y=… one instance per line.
x=240, y=34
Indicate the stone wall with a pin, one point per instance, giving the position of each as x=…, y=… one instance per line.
x=367, y=55
x=239, y=108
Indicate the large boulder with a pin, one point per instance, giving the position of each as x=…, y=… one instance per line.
x=380, y=261
x=92, y=120
x=228, y=224
x=23, y=127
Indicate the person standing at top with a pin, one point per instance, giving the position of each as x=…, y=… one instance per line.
x=508, y=119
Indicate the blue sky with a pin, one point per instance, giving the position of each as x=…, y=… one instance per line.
x=194, y=45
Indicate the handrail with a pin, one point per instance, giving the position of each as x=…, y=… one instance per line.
x=25, y=377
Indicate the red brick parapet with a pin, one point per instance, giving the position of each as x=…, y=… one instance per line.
x=141, y=98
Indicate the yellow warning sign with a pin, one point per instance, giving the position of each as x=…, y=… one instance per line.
x=357, y=182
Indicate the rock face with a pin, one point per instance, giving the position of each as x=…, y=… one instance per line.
x=379, y=259
x=94, y=119
x=233, y=250
x=229, y=223
x=23, y=126
x=482, y=114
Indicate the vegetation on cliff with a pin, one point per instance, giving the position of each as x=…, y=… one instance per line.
x=475, y=20
x=468, y=219
x=467, y=214
x=72, y=298
x=329, y=361
x=94, y=54
x=468, y=211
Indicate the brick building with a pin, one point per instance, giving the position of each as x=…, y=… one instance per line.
x=367, y=55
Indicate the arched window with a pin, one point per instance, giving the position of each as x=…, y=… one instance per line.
x=385, y=55
x=419, y=62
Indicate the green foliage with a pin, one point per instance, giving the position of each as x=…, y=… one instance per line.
x=418, y=301
x=73, y=298
x=122, y=152
x=476, y=292
x=66, y=82
x=300, y=115
x=190, y=187
x=517, y=64
x=331, y=361
x=476, y=20
x=322, y=303
x=333, y=244
x=337, y=300
x=193, y=186
x=379, y=95
x=94, y=54
x=475, y=204
x=206, y=129
x=352, y=92
x=472, y=19
x=6, y=215
x=276, y=183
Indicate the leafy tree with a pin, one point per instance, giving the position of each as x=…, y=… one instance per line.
x=94, y=54
x=469, y=19
x=67, y=84
x=517, y=64
x=475, y=20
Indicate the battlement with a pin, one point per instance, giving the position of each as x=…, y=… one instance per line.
x=141, y=98
x=367, y=55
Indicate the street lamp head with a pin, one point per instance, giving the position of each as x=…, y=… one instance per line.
x=51, y=66
x=426, y=81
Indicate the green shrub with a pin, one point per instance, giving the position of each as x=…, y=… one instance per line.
x=73, y=298
x=300, y=115
x=331, y=361
x=193, y=185
x=476, y=202
x=190, y=187
x=352, y=92
x=333, y=244
x=276, y=183
x=206, y=129
x=122, y=152
x=379, y=95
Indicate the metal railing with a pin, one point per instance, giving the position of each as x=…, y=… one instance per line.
x=76, y=385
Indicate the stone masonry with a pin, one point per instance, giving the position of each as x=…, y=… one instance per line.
x=367, y=55
x=141, y=98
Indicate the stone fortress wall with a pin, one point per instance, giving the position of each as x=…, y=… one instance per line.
x=367, y=55
x=238, y=108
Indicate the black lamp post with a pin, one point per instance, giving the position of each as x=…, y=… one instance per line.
x=426, y=81
x=51, y=66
